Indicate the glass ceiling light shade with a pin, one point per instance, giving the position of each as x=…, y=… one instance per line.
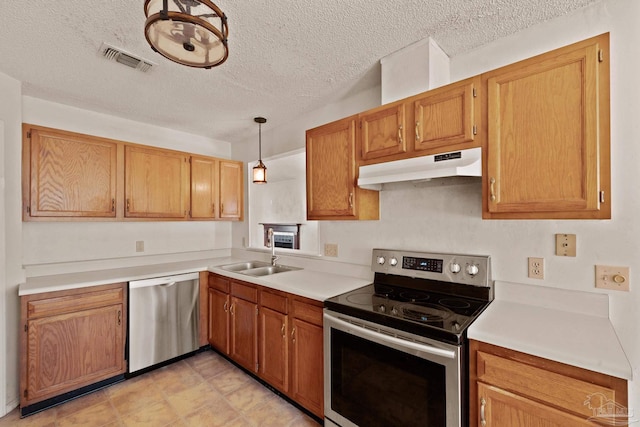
x=260, y=170
x=189, y=32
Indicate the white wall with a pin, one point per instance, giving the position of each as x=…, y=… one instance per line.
x=11, y=272
x=446, y=215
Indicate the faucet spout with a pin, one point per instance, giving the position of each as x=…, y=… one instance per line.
x=272, y=245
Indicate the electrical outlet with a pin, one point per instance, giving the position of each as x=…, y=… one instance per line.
x=536, y=268
x=609, y=277
x=331, y=249
x=140, y=246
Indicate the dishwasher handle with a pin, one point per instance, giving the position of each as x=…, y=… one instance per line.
x=167, y=280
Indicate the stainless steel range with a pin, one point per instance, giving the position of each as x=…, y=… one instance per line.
x=396, y=350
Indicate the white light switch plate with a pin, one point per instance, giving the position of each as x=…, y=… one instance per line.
x=610, y=277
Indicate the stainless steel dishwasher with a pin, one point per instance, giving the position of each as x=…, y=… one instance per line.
x=163, y=319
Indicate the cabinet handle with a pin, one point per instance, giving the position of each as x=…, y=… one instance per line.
x=119, y=317
x=128, y=204
x=483, y=404
x=213, y=209
x=225, y=306
x=293, y=334
x=492, y=190
x=400, y=134
x=221, y=208
x=113, y=205
x=351, y=199
x=417, y=131
x=231, y=310
x=282, y=331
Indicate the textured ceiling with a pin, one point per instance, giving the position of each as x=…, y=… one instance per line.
x=286, y=56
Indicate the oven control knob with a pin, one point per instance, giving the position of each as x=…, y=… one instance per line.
x=381, y=260
x=472, y=269
x=394, y=311
x=454, y=267
x=393, y=262
x=382, y=308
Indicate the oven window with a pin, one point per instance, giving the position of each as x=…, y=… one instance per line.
x=374, y=385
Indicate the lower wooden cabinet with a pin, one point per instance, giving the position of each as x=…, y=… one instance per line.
x=71, y=339
x=513, y=389
x=271, y=333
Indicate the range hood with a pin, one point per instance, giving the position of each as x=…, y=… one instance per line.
x=454, y=163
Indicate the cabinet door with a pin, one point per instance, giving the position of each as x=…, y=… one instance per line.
x=446, y=117
x=204, y=187
x=548, y=135
x=382, y=131
x=499, y=408
x=244, y=333
x=331, y=170
x=156, y=183
x=307, y=380
x=68, y=351
x=71, y=175
x=218, y=328
x=274, y=348
x=231, y=190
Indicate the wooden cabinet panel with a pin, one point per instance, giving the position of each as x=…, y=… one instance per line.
x=548, y=144
x=62, y=349
x=68, y=174
x=244, y=333
x=231, y=185
x=383, y=131
x=218, y=325
x=307, y=380
x=499, y=408
x=156, y=183
x=204, y=187
x=246, y=291
x=446, y=117
x=332, y=175
x=274, y=348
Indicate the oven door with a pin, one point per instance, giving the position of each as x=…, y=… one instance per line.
x=378, y=376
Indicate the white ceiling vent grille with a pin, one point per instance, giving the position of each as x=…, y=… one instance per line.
x=113, y=53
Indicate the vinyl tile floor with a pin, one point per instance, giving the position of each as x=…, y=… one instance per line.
x=202, y=390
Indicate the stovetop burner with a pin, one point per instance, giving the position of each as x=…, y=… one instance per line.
x=431, y=295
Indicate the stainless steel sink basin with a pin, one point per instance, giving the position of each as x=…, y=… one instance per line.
x=248, y=265
x=266, y=271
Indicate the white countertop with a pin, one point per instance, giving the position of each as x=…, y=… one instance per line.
x=307, y=283
x=571, y=327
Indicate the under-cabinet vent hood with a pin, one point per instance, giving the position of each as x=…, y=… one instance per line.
x=455, y=163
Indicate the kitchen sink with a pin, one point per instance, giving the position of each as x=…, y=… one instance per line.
x=270, y=269
x=257, y=268
x=244, y=266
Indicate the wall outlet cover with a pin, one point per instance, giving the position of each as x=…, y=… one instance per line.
x=331, y=249
x=566, y=245
x=536, y=268
x=611, y=277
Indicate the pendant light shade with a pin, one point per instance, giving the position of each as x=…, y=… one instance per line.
x=189, y=32
x=260, y=170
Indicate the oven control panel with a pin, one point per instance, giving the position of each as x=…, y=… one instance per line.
x=455, y=268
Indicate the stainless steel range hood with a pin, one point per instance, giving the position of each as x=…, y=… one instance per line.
x=454, y=163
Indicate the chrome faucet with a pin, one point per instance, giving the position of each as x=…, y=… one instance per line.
x=272, y=244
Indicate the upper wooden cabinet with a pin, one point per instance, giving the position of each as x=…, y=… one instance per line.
x=332, y=192
x=204, y=187
x=442, y=119
x=68, y=175
x=156, y=183
x=231, y=190
x=382, y=131
x=547, y=153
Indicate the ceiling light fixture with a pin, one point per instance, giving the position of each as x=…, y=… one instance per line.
x=189, y=32
x=260, y=170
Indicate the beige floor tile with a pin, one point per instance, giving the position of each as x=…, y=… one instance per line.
x=192, y=399
x=213, y=367
x=171, y=383
x=272, y=414
x=155, y=415
x=93, y=416
x=80, y=403
x=239, y=422
x=42, y=419
x=249, y=396
x=136, y=400
x=217, y=414
x=229, y=380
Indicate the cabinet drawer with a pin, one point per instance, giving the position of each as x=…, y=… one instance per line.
x=551, y=388
x=307, y=311
x=73, y=301
x=244, y=291
x=218, y=282
x=274, y=301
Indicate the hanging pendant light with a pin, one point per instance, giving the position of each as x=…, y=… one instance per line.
x=260, y=170
x=189, y=32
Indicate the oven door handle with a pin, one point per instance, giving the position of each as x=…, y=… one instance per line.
x=426, y=348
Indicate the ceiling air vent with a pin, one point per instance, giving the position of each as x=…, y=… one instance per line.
x=113, y=53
